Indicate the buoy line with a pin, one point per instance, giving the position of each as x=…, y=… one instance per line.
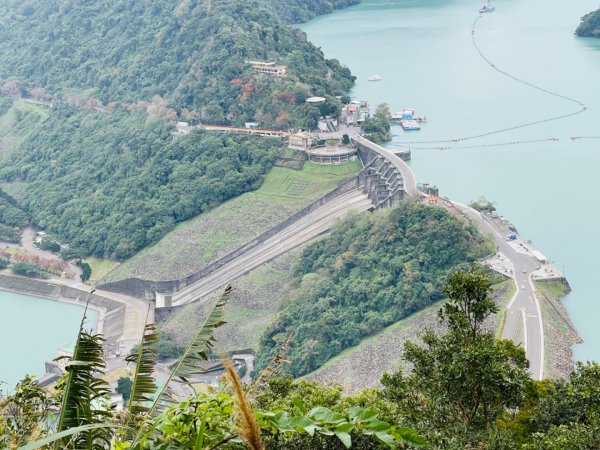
x=582, y=108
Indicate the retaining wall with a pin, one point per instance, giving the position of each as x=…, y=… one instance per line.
x=113, y=315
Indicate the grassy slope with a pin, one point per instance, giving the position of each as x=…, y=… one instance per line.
x=207, y=237
x=258, y=297
x=16, y=124
x=361, y=366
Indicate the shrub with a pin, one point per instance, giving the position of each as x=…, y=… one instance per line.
x=28, y=270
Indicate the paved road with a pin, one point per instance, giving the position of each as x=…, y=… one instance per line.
x=410, y=182
x=523, y=316
x=300, y=232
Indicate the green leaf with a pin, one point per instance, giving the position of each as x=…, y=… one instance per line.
x=82, y=388
x=409, y=436
x=145, y=360
x=299, y=404
x=345, y=438
x=386, y=439
x=362, y=414
x=62, y=434
x=377, y=425
x=324, y=415
x=345, y=427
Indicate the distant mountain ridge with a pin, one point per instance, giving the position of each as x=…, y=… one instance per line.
x=590, y=25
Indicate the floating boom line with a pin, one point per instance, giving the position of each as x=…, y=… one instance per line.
x=582, y=108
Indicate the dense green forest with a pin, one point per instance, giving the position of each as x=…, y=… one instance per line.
x=370, y=272
x=590, y=25
x=110, y=184
x=192, y=53
x=10, y=213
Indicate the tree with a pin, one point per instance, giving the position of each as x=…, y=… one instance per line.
x=377, y=128
x=124, y=385
x=345, y=139
x=86, y=270
x=483, y=204
x=465, y=379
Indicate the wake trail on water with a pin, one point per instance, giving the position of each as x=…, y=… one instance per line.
x=581, y=108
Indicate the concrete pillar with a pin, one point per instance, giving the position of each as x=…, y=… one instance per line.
x=163, y=301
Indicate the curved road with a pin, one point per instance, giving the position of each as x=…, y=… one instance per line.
x=523, y=316
x=300, y=232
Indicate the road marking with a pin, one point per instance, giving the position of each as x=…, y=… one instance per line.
x=514, y=297
x=541, y=325
x=524, y=329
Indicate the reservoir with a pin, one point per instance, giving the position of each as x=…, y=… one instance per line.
x=424, y=53
x=32, y=330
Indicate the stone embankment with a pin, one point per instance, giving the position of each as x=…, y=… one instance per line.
x=121, y=319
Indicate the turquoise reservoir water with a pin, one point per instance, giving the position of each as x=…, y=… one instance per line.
x=424, y=54
x=31, y=331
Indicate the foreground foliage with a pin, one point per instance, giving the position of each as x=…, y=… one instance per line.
x=464, y=390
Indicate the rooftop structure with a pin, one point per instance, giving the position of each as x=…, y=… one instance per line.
x=270, y=69
x=329, y=154
x=315, y=100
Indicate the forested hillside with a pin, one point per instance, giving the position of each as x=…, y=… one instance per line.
x=370, y=272
x=102, y=172
x=590, y=25
x=110, y=184
x=192, y=53
x=303, y=10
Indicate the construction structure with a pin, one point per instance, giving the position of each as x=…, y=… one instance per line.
x=331, y=154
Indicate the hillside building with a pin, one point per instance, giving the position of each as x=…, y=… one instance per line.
x=300, y=141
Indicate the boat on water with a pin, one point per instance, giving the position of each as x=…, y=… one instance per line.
x=487, y=8
x=374, y=77
x=410, y=125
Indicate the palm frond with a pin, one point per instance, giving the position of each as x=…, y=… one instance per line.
x=189, y=363
x=145, y=360
x=83, y=394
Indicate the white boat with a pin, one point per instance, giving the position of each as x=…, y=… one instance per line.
x=374, y=77
x=409, y=125
x=488, y=7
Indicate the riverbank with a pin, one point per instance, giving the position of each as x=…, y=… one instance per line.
x=561, y=335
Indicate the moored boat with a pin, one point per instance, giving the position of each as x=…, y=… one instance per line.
x=488, y=7
x=409, y=125
x=374, y=77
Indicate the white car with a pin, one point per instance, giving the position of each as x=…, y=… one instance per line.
x=522, y=286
